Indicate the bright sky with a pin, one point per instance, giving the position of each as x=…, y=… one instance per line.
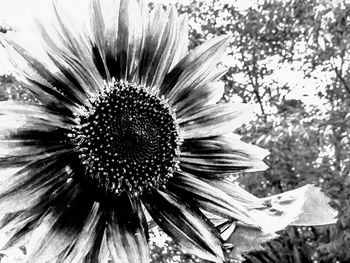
x=18, y=13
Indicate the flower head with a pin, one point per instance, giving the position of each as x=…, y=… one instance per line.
x=127, y=130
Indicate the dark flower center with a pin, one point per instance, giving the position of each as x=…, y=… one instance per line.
x=128, y=140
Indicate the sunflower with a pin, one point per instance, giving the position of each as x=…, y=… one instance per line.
x=126, y=133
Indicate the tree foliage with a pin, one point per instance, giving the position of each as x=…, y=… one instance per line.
x=308, y=136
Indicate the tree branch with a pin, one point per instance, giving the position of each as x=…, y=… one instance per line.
x=341, y=78
x=254, y=83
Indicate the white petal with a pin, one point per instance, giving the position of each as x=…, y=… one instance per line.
x=213, y=120
x=306, y=205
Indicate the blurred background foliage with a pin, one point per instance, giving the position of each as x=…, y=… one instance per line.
x=292, y=59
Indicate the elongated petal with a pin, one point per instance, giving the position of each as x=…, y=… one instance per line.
x=217, y=74
x=99, y=252
x=34, y=183
x=214, y=120
x=194, y=99
x=18, y=226
x=224, y=164
x=79, y=55
x=20, y=127
x=37, y=72
x=11, y=125
x=59, y=228
x=182, y=41
x=24, y=147
x=26, y=152
x=105, y=48
x=33, y=112
x=184, y=225
x=160, y=46
x=242, y=196
x=129, y=41
x=125, y=235
x=193, y=69
x=209, y=198
x=87, y=237
x=29, y=132
x=219, y=156
x=233, y=141
x=36, y=76
x=99, y=39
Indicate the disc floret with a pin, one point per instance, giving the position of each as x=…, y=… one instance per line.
x=128, y=139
